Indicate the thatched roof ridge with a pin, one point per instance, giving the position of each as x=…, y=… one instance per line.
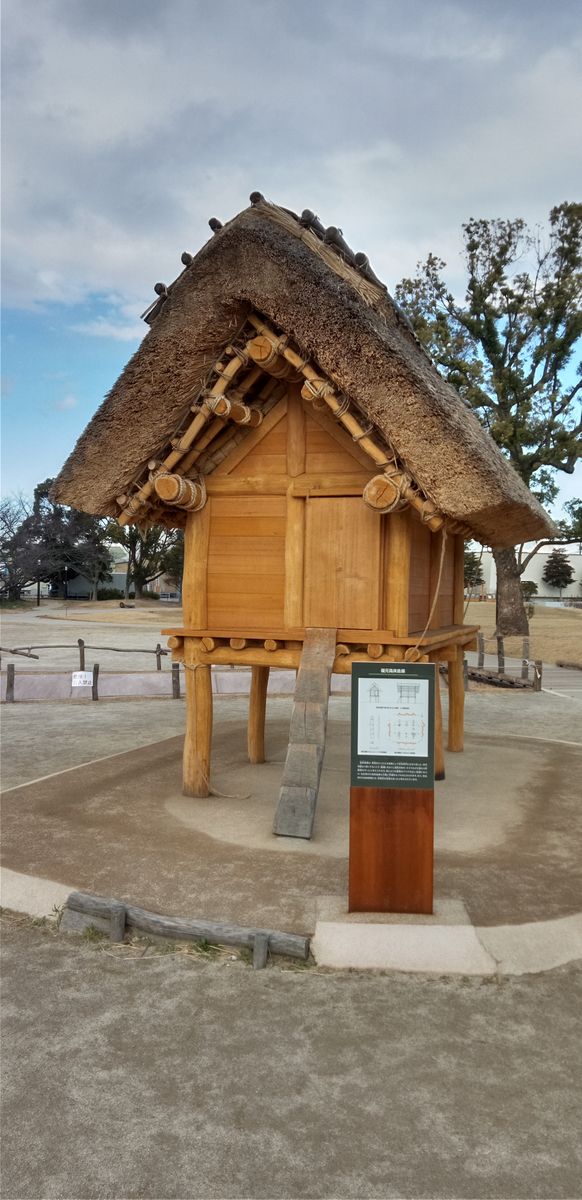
x=267, y=261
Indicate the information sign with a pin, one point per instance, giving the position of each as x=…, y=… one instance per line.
x=82, y=679
x=393, y=725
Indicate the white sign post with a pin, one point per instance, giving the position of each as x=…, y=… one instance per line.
x=82, y=679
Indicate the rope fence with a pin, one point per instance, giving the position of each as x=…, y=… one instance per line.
x=81, y=646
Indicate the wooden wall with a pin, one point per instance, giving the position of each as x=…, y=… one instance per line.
x=246, y=561
x=287, y=557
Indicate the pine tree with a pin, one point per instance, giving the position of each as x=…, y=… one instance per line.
x=558, y=571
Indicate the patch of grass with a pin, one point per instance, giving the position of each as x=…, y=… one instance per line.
x=92, y=934
x=554, y=633
x=206, y=948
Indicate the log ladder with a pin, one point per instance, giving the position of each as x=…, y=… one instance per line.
x=298, y=796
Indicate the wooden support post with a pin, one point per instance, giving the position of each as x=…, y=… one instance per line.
x=198, y=739
x=175, y=681
x=459, y=581
x=456, y=702
x=257, y=710
x=10, y=673
x=95, y=684
x=398, y=574
x=525, y=659
x=500, y=655
x=81, y=645
x=158, y=657
x=260, y=951
x=439, y=754
x=481, y=651
x=117, y=921
x=537, y=680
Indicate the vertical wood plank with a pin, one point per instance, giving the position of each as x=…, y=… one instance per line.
x=294, y=561
x=342, y=563
x=456, y=702
x=198, y=739
x=397, y=574
x=10, y=674
x=459, y=581
x=296, y=432
x=391, y=850
x=257, y=710
x=195, y=579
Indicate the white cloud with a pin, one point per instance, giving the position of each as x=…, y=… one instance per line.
x=128, y=125
x=66, y=403
x=118, y=329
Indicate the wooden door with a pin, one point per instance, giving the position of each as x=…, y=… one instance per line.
x=342, y=563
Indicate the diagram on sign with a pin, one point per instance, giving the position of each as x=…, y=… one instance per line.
x=393, y=717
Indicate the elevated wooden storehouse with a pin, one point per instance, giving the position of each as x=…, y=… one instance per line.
x=282, y=410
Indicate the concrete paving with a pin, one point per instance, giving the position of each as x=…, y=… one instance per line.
x=175, y=1078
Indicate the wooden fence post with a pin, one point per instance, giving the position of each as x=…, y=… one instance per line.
x=465, y=675
x=81, y=645
x=500, y=656
x=158, y=657
x=525, y=659
x=481, y=650
x=175, y=681
x=95, y=685
x=117, y=922
x=537, y=680
x=10, y=672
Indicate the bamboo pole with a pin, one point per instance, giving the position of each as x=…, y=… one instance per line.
x=257, y=711
x=198, y=739
x=456, y=702
x=397, y=574
x=203, y=415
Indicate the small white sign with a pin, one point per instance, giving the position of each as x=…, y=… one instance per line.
x=82, y=679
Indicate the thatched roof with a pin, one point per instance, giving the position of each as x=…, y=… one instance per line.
x=269, y=262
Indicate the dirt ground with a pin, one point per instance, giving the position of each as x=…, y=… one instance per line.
x=178, y=1078
x=555, y=634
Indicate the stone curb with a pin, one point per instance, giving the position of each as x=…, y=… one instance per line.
x=444, y=944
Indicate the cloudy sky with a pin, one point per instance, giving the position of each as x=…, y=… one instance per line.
x=128, y=123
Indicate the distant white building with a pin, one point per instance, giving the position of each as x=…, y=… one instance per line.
x=534, y=572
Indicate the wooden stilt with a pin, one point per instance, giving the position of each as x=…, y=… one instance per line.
x=257, y=709
x=197, y=742
x=456, y=702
